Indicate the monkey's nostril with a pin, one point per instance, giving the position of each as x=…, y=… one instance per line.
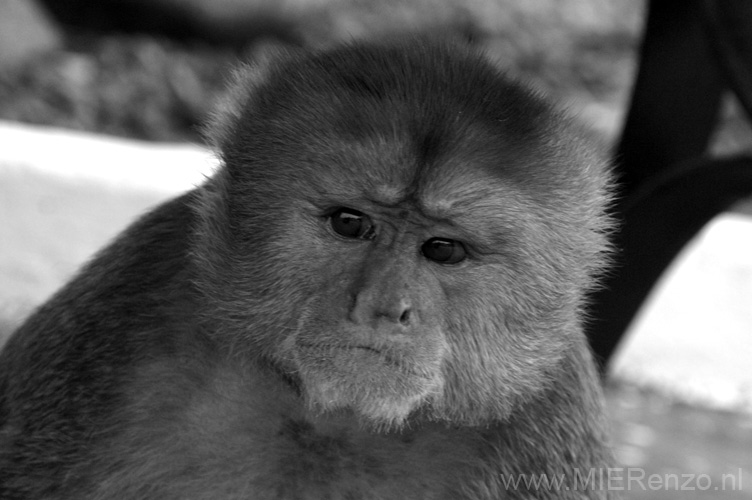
x=404, y=318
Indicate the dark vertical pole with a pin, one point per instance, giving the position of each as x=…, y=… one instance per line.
x=676, y=96
x=673, y=111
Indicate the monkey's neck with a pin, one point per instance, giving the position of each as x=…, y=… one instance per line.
x=290, y=380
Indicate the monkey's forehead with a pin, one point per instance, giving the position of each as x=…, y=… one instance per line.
x=412, y=118
x=438, y=166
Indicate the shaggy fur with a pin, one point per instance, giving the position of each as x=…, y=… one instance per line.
x=231, y=344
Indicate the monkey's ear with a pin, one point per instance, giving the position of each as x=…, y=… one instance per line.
x=243, y=82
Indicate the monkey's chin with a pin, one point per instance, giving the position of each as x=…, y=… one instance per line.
x=380, y=393
x=377, y=413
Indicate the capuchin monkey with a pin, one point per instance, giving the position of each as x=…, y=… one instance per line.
x=379, y=295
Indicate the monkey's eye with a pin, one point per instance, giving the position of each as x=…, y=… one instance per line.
x=351, y=224
x=444, y=251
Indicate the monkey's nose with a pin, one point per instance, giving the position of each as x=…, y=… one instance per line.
x=367, y=309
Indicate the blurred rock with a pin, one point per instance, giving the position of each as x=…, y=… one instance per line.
x=297, y=22
x=25, y=31
x=160, y=87
x=226, y=22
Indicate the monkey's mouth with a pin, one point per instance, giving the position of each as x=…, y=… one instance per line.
x=337, y=353
x=364, y=347
x=333, y=349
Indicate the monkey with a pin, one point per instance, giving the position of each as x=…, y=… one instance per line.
x=379, y=294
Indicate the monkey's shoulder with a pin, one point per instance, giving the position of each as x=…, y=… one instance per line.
x=75, y=349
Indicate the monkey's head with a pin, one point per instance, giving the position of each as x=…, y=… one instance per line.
x=400, y=229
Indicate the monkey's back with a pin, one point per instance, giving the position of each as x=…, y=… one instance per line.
x=62, y=372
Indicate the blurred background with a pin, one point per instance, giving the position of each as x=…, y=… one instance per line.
x=101, y=104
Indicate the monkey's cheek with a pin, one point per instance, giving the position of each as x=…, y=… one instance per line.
x=380, y=390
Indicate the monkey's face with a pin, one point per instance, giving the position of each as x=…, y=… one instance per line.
x=400, y=249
